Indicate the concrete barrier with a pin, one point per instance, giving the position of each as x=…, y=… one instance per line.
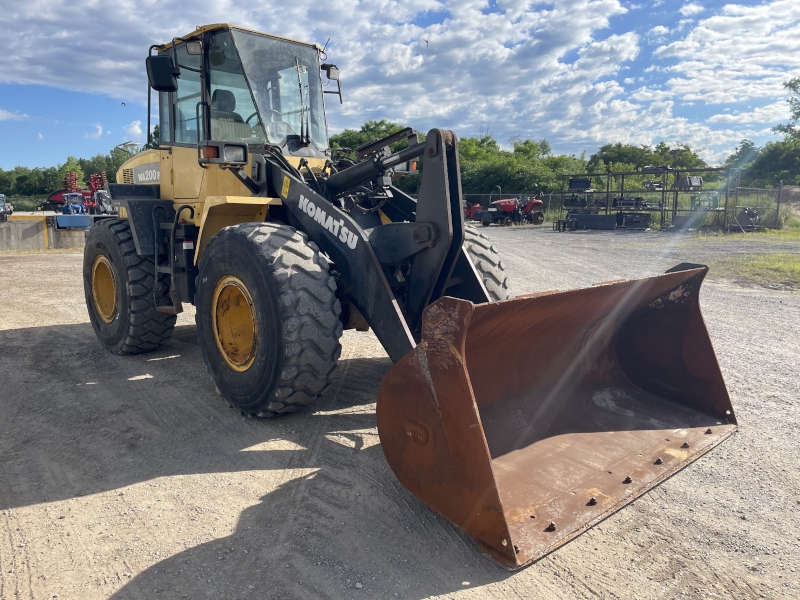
x=24, y=233
x=67, y=238
x=37, y=232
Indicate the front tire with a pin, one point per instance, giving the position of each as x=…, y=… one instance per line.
x=487, y=261
x=119, y=289
x=267, y=318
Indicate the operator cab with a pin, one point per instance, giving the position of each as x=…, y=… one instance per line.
x=242, y=87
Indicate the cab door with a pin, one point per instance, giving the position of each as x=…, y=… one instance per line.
x=183, y=174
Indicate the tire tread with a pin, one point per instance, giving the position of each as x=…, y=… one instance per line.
x=309, y=311
x=487, y=262
x=148, y=329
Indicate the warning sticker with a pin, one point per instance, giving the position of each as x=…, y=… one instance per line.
x=285, y=188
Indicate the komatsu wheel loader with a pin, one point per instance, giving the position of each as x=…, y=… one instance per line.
x=244, y=212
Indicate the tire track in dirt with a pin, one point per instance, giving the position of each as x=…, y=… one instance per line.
x=201, y=515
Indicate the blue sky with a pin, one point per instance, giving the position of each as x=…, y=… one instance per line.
x=577, y=72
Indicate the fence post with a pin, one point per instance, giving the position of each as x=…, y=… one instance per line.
x=778, y=212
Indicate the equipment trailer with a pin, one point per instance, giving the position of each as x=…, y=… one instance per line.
x=242, y=212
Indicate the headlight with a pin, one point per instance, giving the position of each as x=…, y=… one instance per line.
x=234, y=154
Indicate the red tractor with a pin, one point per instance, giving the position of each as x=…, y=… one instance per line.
x=514, y=211
x=471, y=209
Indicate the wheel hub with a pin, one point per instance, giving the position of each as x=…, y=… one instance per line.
x=104, y=289
x=235, y=324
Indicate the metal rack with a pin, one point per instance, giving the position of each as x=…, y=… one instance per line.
x=668, y=191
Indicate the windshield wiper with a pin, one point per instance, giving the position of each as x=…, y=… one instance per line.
x=305, y=109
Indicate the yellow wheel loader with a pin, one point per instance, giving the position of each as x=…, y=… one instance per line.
x=244, y=212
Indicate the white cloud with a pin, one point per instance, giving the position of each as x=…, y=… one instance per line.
x=96, y=133
x=477, y=68
x=713, y=65
x=765, y=115
x=552, y=70
x=657, y=34
x=133, y=131
x=40, y=136
x=692, y=8
x=6, y=115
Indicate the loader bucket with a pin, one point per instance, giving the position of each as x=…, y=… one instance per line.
x=525, y=422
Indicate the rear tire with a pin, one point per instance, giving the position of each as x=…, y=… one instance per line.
x=119, y=289
x=267, y=318
x=487, y=262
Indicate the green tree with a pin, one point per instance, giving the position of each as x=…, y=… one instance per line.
x=369, y=131
x=791, y=130
x=776, y=162
x=116, y=159
x=72, y=164
x=7, y=182
x=680, y=156
x=637, y=156
x=99, y=163
x=746, y=152
x=153, y=139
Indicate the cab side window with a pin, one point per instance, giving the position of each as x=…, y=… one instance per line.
x=165, y=118
x=186, y=98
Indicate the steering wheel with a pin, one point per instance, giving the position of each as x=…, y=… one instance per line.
x=255, y=114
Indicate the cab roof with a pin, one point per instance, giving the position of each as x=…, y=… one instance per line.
x=200, y=29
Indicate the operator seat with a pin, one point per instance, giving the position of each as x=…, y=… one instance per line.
x=223, y=105
x=226, y=124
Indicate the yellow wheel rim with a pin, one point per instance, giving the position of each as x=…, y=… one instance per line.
x=235, y=324
x=104, y=288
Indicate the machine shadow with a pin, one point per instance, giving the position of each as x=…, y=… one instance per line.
x=389, y=544
x=76, y=420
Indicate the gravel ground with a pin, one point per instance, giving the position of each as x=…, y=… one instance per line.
x=128, y=477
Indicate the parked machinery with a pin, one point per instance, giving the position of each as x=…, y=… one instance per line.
x=585, y=211
x=748, y=219
x=514, y=211
x=73, y=204
x=6, y=208
x=95, y=199
x=99, y=203
x=471, y=210
x=243, y=213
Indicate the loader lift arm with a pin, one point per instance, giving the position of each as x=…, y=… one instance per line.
x=432, y=242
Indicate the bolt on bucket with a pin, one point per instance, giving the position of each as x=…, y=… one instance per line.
x=525, y=422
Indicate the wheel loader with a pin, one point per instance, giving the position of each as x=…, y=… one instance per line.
x=244, y=211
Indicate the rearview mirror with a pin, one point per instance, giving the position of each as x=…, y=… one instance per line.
x=162, y=73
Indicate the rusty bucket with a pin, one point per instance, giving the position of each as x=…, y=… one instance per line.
x=527, y=421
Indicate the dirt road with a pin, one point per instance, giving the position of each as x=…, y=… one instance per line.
x=131, y=478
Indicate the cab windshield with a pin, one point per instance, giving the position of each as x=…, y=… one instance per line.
x=284, y=79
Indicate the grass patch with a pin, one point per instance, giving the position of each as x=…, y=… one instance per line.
x=781, y=269
x=789, y=233
x=25, y=204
